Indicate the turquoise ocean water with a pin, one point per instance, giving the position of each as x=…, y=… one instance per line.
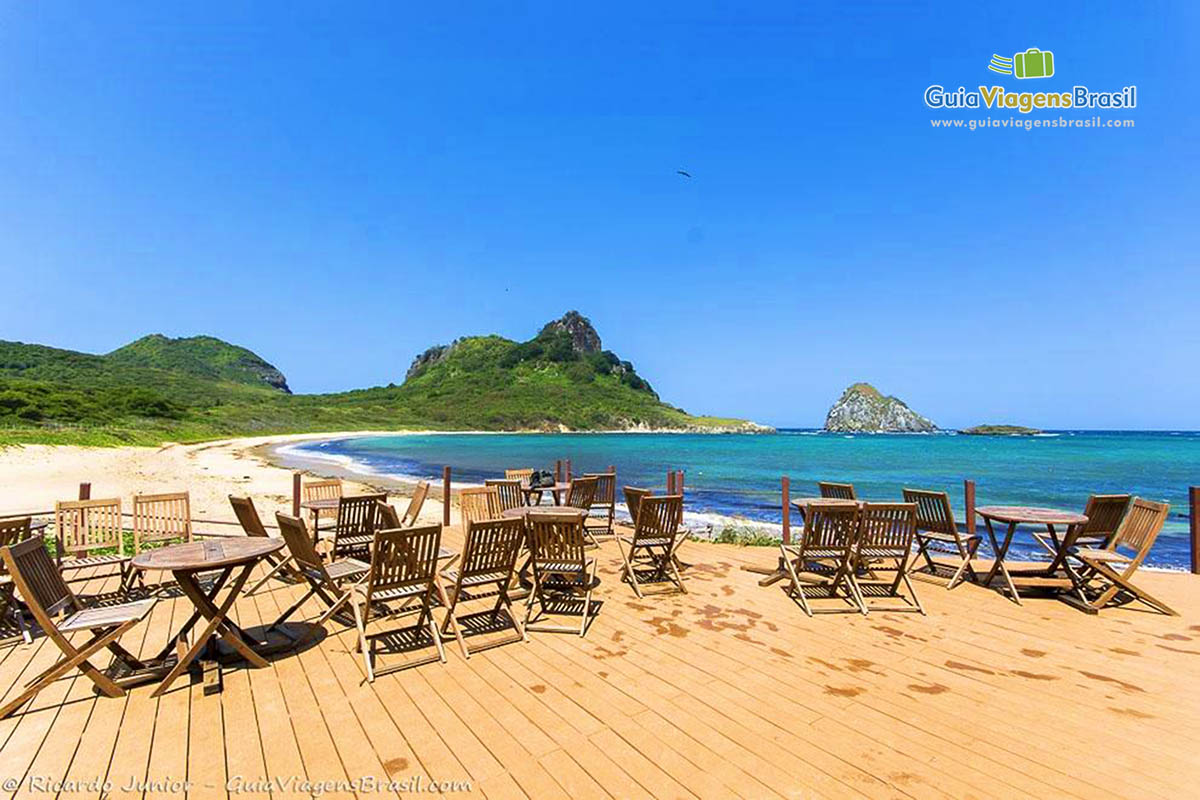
x=738, y=476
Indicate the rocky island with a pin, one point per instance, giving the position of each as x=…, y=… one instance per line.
x=864, y=409
x=1000, y=430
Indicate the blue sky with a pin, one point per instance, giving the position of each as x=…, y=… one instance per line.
x=339, y=187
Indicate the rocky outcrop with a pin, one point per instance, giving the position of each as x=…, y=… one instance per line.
x=864, y=409
x=584, y=338
x=431, y=356
x=1000, y=430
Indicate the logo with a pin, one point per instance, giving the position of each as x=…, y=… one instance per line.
x=1033, y=63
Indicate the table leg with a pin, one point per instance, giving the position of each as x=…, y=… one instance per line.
x=195, y=617
x=217, y=625
x=999, y=552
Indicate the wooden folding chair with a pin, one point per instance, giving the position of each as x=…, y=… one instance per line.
x=651, y=549
x=488, y=562
x=938, y=532
x=161, y=519
x=280, y=564
x=1125, y=552
x=332, y=583
x=837, y=491
x=562, y=572
x=1104, y=513
x=330, y=489
x=13, y=531
x=825, y=557
x=633, y=500
x=478, y=503
x=885, y=537
x=47, y=597
x=600, y=514
x=357, y=521
x=523, y=475
x=404, y=569
x=508, y=492
x=582, y=492
x=414, y=505
x=91, y=533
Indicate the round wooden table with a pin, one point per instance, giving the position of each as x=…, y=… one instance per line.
x=185, y=562
x=524, y=512
x=1012, y=516
x=316, y=507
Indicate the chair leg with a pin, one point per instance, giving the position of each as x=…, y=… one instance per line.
x=628, y=573
x=796, y=589
x=587, y=602
x=277, y=569
x=360, y=621
x=451, y=620
x=75, y=659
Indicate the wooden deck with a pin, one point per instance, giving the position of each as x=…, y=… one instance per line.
x=729, y=691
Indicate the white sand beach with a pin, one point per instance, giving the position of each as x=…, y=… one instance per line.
x=33, y=477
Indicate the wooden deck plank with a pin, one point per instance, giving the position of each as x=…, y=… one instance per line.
x=727, y=691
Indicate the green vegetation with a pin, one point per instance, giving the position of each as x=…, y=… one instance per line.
x=158, y=389
x=999, y=430
x=747, y=535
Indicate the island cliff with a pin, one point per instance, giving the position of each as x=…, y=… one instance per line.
x=864, y=409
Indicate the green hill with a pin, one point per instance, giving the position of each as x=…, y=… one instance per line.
x=158, y=389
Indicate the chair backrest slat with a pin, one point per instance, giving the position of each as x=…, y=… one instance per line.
x=300, y=545
x=658, y=517
x=404, y=557
x=1104, y=513
x=508, y=492
x=247, y=515
x=11, y=532
x=414, y=505
x=86, y=525
x=322, y=490
x=1141, y=527
x=37, y=578
x=388, y=517
x=160, y=519
x=582, y=492
x=829, y=526
x=887, y=526
x=837, y=491
x=523, y=475
x=606, y=488
x=633, y=500
x=491, y=546
x=479, y=503
x=357, y=514
x=556, y=537
x=933, y=511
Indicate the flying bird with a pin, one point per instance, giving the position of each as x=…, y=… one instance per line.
x=684, y=174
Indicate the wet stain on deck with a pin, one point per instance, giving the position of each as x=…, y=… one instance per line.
x=933, y=688
x=538, y=688
x=844, y=691
x=1033, y=676
x=1131, y=712
x=1129, y=687
x=959, y=665
x=394, y=766
x=1033, y=653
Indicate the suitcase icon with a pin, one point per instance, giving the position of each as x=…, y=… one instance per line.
x=1033, y=63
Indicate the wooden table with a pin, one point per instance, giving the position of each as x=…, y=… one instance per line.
x=317, y=506
x=186, y=562
x=1046, y=577
x=780, y=571
x=555, y=492
x=524, y=512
